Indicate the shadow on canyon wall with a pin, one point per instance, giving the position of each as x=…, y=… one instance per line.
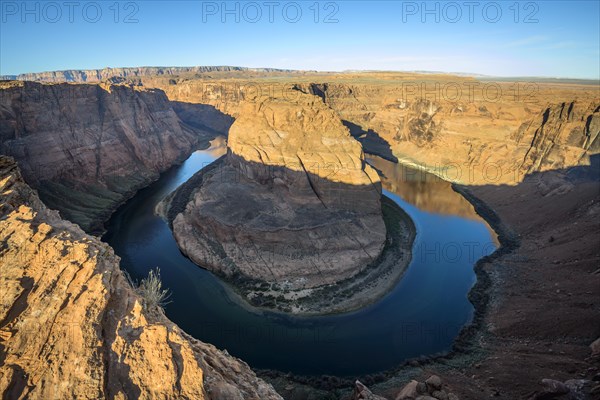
x=88, y=148
x=372, y=143
x=550, y=216
x=203, y=116
x=305, y=216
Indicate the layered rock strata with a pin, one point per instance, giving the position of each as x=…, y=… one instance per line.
x=86, y=148
x=462, y=129
x=470, y=136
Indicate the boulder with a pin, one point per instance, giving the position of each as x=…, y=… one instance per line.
x=595, y=347
x=409, y=391
x=361, y=392
x=553, y=386
x=434, y=382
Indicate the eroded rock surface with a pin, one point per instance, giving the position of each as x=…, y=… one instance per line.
x=72, y=327
x=293, y=202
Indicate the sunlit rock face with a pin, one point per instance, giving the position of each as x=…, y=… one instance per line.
x=293, y=202
x=471, y=138
x=72, y=327
x=303, y=145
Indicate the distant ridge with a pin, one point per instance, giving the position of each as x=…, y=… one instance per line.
x=97, y=75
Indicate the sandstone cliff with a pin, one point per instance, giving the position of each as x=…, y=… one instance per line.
x=294, y=202
x=462, y=129
x=72, y=327
x=86, y=148
x=476, y=138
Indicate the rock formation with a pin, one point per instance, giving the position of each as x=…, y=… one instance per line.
x=361, y=392
x=462, y=129
x=294, y=202
x=431, y=388
x=560, y=134
x=86, y=148
x=72, y=327
x=469, y=136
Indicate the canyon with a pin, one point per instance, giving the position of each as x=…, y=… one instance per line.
x=523, y=153
x=87, y=148
x=462, y=129
x=292, y=175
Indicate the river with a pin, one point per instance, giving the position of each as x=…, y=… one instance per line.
x=421, y=316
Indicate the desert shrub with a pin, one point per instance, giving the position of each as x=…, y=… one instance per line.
x=151, y=291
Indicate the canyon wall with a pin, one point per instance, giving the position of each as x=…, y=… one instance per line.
x=86, y=148
x=477, y=138
x=71, y=326
x=462, y=129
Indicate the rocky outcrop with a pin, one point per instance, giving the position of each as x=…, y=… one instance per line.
x=431, y=388
x=560, y=134
x=72, y=327
x=86, y=148
x=293, y=202
x=361, y=392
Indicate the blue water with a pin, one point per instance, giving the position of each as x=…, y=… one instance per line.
x=421, y=316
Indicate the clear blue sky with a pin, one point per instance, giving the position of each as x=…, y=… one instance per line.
x=549, y=38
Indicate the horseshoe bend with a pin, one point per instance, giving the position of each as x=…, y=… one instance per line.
x=310, y=227
x=402, y=203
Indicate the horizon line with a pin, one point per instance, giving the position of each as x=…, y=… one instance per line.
x=458, y=73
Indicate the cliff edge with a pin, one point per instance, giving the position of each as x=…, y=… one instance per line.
x=72, y=327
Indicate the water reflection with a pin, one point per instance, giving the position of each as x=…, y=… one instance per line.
x=424, y=190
